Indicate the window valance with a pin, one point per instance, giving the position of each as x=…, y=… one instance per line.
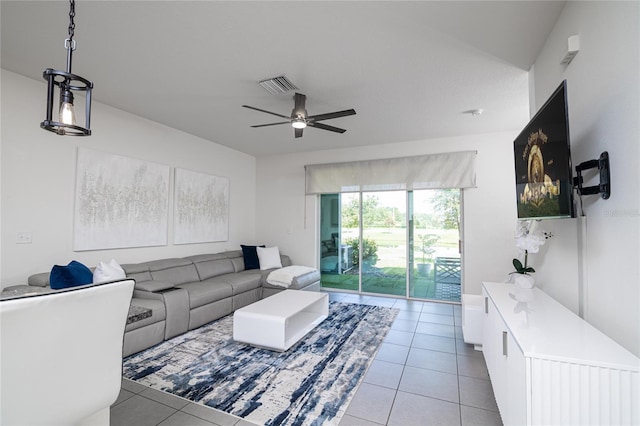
x=433, y=171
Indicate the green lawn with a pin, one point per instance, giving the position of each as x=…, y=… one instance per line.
x=391, y=281
x=397, y=236
x=388, y=276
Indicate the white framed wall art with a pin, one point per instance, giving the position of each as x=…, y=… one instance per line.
x=119, y=202
x=201, y=212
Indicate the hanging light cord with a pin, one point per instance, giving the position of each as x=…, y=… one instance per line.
x=72, y=14
x=70, y=43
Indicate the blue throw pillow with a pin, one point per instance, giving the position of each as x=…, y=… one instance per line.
x=250, y=254
x=72, y=275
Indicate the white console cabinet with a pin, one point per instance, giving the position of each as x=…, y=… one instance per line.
x=550, y=367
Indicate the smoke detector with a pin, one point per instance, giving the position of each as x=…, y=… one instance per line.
x=278, y=85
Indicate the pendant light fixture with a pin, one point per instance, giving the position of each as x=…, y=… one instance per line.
x=68, y=83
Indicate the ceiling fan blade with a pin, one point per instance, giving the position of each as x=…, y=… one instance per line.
x=299, y=101
x=330, y=115
x=271, y=124
x=299, y=116
x=326, y=127
x=268, y=112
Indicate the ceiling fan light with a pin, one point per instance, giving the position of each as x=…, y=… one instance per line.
x=299, y=124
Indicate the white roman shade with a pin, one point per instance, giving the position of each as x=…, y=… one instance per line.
x=434, y=171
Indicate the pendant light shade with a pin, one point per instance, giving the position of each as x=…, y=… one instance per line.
x=64, y=122
x=61, y=119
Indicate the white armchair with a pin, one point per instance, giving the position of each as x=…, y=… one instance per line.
x=61, y=354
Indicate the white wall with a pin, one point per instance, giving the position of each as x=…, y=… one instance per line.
x=604, y=115
x=38, y=178
x=289, y=219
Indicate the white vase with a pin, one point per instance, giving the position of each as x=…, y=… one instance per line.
x=523, y=280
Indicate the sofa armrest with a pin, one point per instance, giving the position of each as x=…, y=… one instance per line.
x=154, y=286
x=39, y=280
x=305, y=280
x=176, y=303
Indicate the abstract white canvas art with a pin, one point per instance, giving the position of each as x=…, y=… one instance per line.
x=201, y=208
x=120, y=202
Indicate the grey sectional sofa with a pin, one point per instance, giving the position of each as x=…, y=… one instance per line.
x=186, y=293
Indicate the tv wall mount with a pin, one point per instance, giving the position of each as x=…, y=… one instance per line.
x=602, y=164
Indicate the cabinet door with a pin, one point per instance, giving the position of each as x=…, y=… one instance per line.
x=496, y=360
x=489, y=338
x=516, y=381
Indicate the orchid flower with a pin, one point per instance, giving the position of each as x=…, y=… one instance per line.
x=529, y=240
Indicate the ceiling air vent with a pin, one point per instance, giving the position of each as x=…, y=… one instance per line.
x=278, y=85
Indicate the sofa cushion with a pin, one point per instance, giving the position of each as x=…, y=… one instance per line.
x=176, y=271
x=137, y=271
x=250, y=255
x=243, y=281
x=209, y=256
x=238, y=263
x=72, y=275
x=214, y=268
x=233, y=253
x=205, y=292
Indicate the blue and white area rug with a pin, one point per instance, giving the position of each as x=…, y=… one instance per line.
x=310, y=384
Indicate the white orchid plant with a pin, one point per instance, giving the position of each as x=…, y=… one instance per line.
x=529, y=239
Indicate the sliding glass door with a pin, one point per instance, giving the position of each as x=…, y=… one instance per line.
x=400, y=243
x=384, y=243
x=434, y=231
x=339, y=241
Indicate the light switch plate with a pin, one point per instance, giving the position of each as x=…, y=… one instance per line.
x=23, y=238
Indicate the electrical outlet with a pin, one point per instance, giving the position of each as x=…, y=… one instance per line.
x=23, y=238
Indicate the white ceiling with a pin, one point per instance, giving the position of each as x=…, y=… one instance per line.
x=411, y=70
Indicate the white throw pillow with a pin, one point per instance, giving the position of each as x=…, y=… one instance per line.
x=108, y=272
x=269, y=257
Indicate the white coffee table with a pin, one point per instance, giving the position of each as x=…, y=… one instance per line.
x=281, y=320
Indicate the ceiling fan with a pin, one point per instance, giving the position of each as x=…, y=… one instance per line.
x=299, y=118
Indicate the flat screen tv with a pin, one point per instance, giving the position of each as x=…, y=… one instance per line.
x=544, y=184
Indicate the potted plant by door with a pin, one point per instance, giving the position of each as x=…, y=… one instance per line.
x=427, y=242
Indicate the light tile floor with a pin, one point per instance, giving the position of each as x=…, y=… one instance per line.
x=423, y=374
